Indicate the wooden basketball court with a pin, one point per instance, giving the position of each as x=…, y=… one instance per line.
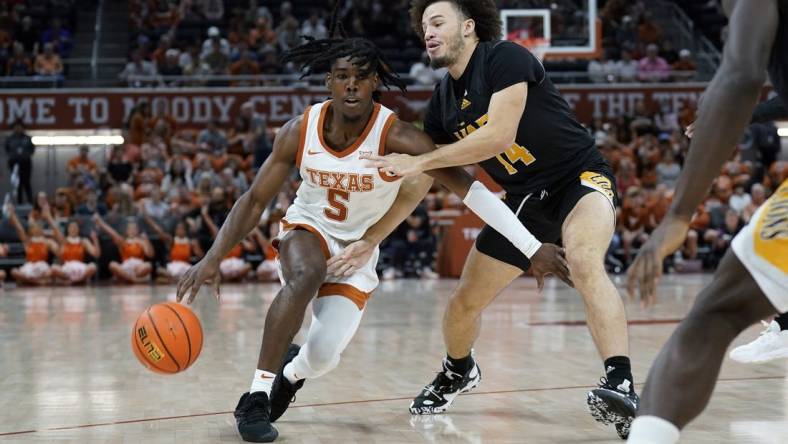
x=67, y=372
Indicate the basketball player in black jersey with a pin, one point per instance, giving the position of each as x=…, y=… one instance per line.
x=744, y=289
x=497, y=107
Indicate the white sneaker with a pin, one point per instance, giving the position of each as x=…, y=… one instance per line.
x=771, y=344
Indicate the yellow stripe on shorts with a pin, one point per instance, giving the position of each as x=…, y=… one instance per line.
x=771, y=230
x=599, y=182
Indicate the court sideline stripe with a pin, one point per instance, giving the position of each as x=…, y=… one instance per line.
x=579, y=323
x=363, y=401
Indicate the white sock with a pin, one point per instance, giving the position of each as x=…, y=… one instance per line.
x=289, y=373
x=653, y=430
x=262, y=381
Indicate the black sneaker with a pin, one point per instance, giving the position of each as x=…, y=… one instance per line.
x=615, y=405
x=282, y=391
x=252, y=416
x=438, y=395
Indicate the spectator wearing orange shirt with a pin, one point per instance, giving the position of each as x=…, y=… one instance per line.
x=81, y=165
x=213, y=141
x=180, y=249
x=633, y=221
x=149, y=180
x=648, y=31
x=36, y=270
x=698, y=224
x=262, y=34
x=163, y=122
x=685, y=68
x=626, y=177
x=738, y=172
x=134, y=248
x=165, y=18
x=687, y=113
x=245, y=66
x=159, y=55
x=267, y=270
x=74, y=268
x=138, y=125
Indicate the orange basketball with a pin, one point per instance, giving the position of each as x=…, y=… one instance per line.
x=167, y=338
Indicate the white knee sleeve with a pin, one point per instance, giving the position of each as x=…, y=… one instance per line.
x=335, y=320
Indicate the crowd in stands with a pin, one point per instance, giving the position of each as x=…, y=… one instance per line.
x=154, y=206
x=195, y=38
x=636, y=49
x=198, y=38
x=647, y=151
x=158, y=201
x=35, y=37
x=176, y=43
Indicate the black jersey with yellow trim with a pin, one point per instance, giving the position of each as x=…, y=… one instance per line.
x=551, y=147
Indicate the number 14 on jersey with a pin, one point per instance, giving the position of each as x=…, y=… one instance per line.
x=514, y=154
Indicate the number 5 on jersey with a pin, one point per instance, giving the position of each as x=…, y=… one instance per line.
x=338, y=200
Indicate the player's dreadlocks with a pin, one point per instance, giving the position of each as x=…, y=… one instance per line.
x=317, y=56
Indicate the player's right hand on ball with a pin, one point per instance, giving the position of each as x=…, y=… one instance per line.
x=207, y=270
x=550, y=259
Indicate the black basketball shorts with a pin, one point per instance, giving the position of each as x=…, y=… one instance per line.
x=544, y=215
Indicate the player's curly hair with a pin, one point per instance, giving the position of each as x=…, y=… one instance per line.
x=317, y=56
x=484, y=12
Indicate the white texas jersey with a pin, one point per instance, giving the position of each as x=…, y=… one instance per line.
x=339, y=196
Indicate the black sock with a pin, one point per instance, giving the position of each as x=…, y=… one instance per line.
x=783, y=321
x=461, y=365
x=618, y=369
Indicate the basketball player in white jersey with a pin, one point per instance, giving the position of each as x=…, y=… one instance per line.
x=339, y=200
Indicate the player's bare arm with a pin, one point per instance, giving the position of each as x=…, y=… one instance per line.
x=498, y=134
x=355, y=255
x=406, y=139
x=724, y=112
x=246, y=212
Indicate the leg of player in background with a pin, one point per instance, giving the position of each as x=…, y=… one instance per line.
x=483, y=278
x=685, y=372
x=587, y=232
x=335, y=320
